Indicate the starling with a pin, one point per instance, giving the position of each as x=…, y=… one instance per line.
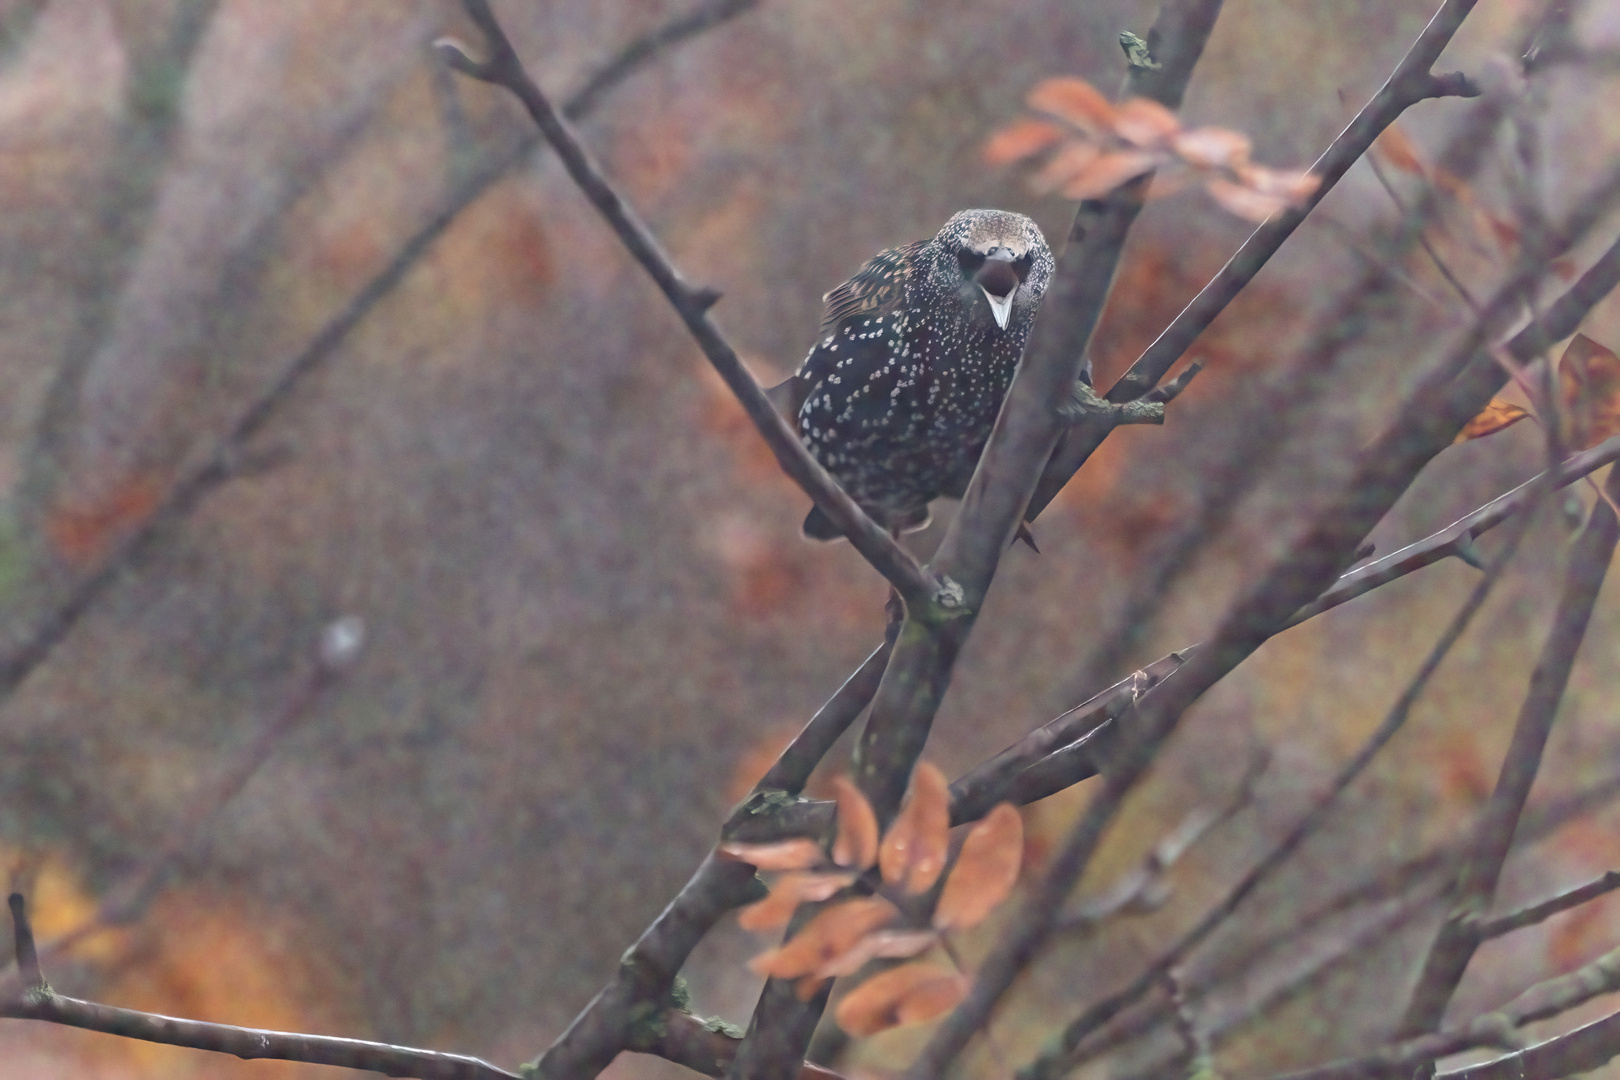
x=915, y=354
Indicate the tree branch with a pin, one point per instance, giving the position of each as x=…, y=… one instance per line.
x=503, y=68
x=1546, y=909
x=39, y=1002
x=1410, y=83
x=1460, y=934
x=223, y=462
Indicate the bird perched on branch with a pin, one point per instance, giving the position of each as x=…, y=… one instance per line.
x=916, y=352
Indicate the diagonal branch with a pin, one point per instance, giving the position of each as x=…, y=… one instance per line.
x=1410, y=83
x=1460, y=934
x=37, y=1001
x=223, y=461
x=1546, y=909
x=503, y=68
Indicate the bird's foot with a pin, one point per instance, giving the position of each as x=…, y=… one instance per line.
x=1085, y=405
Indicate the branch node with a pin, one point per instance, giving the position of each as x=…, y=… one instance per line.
x=1172, y=389
x=27, y=954
x=1452, y=84
x=949, y=595
x=1085, y=405
x=704, y=298
x=459, y=57
x=1465, y=550
x=1496, y=1029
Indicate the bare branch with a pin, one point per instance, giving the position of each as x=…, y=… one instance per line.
x=1054, y=1062
x=338, y=648
x=502, y=67
x=39, y=1002
x=647, y=970
x=1586, y=1048
x=1497, y=1028
x=1410, y=83
x=224, y=461
x=1460, y=935
x=1546, y=909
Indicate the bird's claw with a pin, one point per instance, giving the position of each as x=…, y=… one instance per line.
x=1084, y=404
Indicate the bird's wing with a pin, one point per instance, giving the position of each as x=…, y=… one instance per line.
x=878, y=288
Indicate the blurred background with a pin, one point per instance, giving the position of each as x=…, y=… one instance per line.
x=590, y=618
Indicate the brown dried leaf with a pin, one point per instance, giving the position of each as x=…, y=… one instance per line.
x=1396, y=149
x=1212, y=148
x=787, y=894
x=1245, y=202
x=830, y=934
x=1019, y=140
x=1075, y=101
x=882, y=945
x=800, y=853
x=807, y=987
x=914, y=851
x=1289, y=184
x=1109, y=171
x=1071, y=160
x=908, y=994
x=857, y=842
x=1494, y=417
x=1590, y=376
x=985, y=872
x=1144, y=122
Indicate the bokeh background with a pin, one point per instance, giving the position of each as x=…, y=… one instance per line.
x=590, y=617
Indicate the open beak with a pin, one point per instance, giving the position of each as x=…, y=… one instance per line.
x=999, y=281
x=1000, y=306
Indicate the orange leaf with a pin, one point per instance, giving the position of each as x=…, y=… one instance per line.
x=857, y=843
x=1212, y=148
x=1019, y=140
x=787, y=894
x=1144, y=122
x=829, y=935
x=82, y=534
x=908, y=994
x=985, y=871
x=1070, y=161
x=1075, y=101
x=1492, y=418
x=1245, y=202
x=1288, y=184
x=1590, y=377
x=797, y=854
x=1398, y=151
x=914, y=851
x=1109, y=171
x=884, y=945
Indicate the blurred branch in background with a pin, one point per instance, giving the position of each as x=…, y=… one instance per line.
x=229, y=456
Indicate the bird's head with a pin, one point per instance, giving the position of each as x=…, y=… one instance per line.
x=995, y=258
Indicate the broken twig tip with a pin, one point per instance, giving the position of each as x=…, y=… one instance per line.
x=457, y=55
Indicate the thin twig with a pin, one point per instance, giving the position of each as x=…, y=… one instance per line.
x=1459, y=935
x=1583, y=1050
x=1546, y=909
x=1413, y=882
x=502, y=67
x=1411, y=82
x=223, y=461
x=1054, y=1062
x=39, y=1002
x=1499, y=1027
x=647, y=970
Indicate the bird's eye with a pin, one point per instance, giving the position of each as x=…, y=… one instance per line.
x=970, y=262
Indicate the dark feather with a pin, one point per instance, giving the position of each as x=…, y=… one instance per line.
x=878, y=288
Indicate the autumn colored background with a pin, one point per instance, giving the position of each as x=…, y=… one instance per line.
x=591, y=619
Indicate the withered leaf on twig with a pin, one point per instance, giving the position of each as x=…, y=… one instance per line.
x=914, y=851
x=909, y=994
x=985, y=871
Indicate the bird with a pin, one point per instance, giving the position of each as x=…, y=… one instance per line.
x=897, y=396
